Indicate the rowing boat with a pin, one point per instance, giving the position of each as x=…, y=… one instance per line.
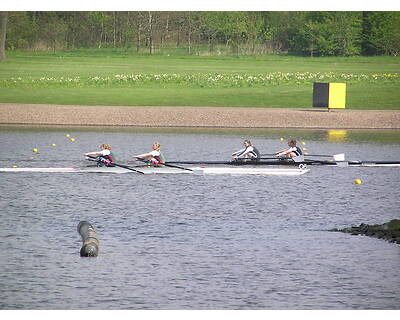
x=292, y=163
x=261, y=166
x=261, y=171
x=168, y=170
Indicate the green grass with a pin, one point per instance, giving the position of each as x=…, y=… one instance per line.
x=361, y=94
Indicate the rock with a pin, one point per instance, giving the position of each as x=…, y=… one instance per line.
x=389, y=231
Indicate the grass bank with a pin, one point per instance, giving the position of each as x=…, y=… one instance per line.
x=120, y=77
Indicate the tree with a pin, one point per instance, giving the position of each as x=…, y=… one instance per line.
x=234, y=29
x=366, y=46
x=253, y=29
x=328, y=34
x=3, y=28
x=150, y=32
x=282, y=29
x=345, y=32
x=384, y=37
x=313, y=33
x=54, y=30
x=209, y=22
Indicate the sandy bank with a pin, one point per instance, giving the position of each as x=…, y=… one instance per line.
x=207, y=117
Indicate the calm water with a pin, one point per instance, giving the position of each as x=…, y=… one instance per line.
x=196, y=242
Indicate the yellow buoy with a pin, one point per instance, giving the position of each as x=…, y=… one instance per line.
x=281, y=139
x=357, y=181
x=67, y=135
x=303, y=143
x=72, y=139
x=15, y=166
x=35, y=150
x=53, y=144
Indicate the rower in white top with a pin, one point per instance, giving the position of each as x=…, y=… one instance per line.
x=104, y=157
x=248, y=152
x=293, y=152
x=154, y=157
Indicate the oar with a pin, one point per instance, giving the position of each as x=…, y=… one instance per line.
x=273, y=155
x=267, y=154
x=120, y=165
x=201, y=162
x=267, y=158
x=221, y=162
x=167, y=165
x=126, y=167
x=336, y=157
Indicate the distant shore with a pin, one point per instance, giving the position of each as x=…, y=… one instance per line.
x=196, y=117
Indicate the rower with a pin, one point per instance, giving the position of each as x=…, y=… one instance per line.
x=104, y=157
x=293, y=152
x=154, y=157
x=248, y=152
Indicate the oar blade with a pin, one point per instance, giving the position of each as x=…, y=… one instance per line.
x=338, y=157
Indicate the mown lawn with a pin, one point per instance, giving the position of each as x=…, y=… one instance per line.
x=88, y=77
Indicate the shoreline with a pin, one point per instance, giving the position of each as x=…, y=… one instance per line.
x=12, y=114
x=389, y=231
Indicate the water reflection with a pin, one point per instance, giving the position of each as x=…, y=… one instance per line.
x=337, y=135
x=352, y=136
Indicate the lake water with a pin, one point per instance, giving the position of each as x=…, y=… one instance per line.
x=196, y=242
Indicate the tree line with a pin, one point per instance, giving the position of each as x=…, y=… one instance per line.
x=314, y=33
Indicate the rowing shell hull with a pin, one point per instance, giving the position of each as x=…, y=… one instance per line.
x=96, y=170
x=292, y=163
x=167, y=170
x=258, y=171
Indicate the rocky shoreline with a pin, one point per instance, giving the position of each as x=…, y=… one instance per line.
x=196, y=117
x=389, y=231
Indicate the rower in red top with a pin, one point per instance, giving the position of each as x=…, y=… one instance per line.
x=104, y=157
x=155, y=156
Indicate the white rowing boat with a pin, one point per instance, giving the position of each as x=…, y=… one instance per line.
x=95, y=170
x=62, y=170
x=168, y=170
x=258, y=170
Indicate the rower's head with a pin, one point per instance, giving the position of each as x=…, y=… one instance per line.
x=105, y=146
x=156, y=146
x=292, y=142
x=247, y=143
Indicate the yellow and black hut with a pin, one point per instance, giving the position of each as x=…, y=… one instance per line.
x=329, y=95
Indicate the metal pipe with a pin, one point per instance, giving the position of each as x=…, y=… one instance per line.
x=90, y=247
